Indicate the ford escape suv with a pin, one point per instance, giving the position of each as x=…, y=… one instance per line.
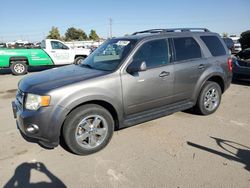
x=124, y=82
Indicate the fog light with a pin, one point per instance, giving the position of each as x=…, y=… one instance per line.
x=33, y=129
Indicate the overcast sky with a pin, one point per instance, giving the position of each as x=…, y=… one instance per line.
x=32, y=19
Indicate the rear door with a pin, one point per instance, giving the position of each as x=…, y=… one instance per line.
x=152, y=88
x=189, y=64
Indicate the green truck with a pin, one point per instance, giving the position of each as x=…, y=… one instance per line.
x=52, y=52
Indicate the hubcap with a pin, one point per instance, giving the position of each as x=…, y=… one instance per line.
x=91, y=131
x=79, y=61
x=211, y=99
x=19, y=68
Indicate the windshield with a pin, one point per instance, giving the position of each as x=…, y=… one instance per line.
x=109, y=55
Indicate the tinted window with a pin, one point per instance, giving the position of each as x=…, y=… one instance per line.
x=214, y=45
x=43, y=44
x=154, y=53
x=186, y=48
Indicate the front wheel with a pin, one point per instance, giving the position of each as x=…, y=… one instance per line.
x=19, y=68
x=88, y=129
x=209, y=98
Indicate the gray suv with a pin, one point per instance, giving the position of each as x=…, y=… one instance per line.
x=124, y=82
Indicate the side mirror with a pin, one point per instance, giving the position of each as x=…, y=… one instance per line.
x=135, y=67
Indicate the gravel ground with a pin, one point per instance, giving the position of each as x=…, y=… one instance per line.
x=180, y=150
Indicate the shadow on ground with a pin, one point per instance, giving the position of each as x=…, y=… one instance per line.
x=232, y=151
x=239, y=81
x=21, y=178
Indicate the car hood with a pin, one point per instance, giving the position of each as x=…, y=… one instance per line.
x=54, y=78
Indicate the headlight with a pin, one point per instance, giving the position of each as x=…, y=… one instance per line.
x=34, y=102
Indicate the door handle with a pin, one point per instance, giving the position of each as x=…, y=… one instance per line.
x=201, y=66
x=164, y=74
x=52, y=51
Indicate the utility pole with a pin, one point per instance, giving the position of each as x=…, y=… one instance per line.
x=110, y=27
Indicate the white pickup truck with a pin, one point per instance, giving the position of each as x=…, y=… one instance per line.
x=61, y=53
x=52, y=52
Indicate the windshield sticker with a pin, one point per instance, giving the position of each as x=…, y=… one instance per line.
x=123, y=42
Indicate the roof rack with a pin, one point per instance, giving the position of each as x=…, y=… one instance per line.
x=150, y=31
x=172, y=30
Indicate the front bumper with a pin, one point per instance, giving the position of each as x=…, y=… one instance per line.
x=48, y=121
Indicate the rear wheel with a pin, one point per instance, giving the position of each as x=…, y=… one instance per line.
x=88, y=129
x=209, y=98
x=18, y=68
x=78, y=60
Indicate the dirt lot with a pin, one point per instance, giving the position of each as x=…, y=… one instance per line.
x=180, y=150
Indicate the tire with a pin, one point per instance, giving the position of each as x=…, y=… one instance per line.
x=209, y=98
x=18, y=68
x=78, y=60
x=88, y=129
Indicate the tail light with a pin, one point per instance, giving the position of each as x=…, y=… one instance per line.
x=230, y=64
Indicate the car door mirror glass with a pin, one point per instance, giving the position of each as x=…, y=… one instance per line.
x=143, y=66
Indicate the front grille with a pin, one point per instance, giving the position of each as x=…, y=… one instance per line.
x=20, y=99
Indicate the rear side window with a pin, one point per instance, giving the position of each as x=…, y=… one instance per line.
x=186, y=48
x=43, y=45
x=214, y=45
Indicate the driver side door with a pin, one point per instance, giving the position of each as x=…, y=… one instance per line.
x=60, y=53
x=145, y=90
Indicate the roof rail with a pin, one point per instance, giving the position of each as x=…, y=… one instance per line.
x=150, y=31
x=172, y=30
x=187, y=29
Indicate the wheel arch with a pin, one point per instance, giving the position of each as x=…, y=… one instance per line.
x=217, y=78
x=84, y=56
x=18, y=58
x=107, y=105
